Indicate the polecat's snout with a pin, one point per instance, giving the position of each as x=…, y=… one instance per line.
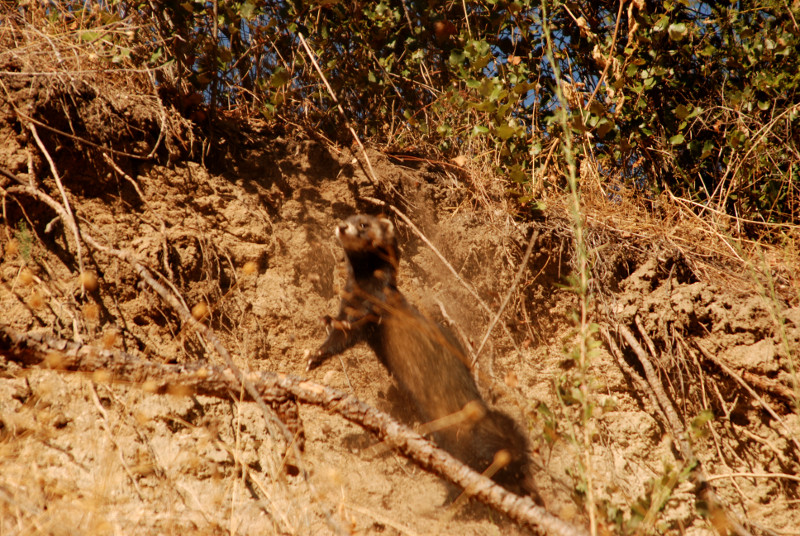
x=345, y=228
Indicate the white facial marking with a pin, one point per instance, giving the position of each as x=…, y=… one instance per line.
x=348, y=229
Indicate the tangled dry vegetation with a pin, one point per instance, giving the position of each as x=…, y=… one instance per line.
x=161, y=284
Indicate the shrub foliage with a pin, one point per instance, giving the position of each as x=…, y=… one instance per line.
x=698, y=98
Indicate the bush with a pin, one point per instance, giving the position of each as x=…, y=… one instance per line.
x=699, y=98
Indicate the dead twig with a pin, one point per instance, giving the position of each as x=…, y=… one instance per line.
x=671, y=414
x=639, y=383
x=127, y=177
x=730, y=372
x=680, y=436
x=522, y=267
x=754, y=475
x=771, y=387
x=70, y=217
x=372, y=175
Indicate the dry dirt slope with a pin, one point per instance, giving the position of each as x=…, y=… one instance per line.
x=249, y=235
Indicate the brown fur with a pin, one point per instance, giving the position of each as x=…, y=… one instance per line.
x=425, y=359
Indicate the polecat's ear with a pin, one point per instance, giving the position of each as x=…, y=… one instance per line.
x=388, y=227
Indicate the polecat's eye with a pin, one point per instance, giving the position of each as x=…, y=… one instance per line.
x=363, y=225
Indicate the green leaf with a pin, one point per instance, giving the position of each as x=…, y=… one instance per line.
x=523, y=87
x=482, y=62
x=518, y=174
x=457, y=57
x=682, y=112
x=477, y=130
x=708, y=146
x=708, y=51
x=604, y=126
x=280, y=77
x=505, y=131
x=247, y=10
x=155, y=56
x=661, y=23
x=123, y=54
x=736, y=138
x=677, y=31
x=485, y=106
x=597, y=108
x=677, y=139
x=89, y=35
x=699, y=422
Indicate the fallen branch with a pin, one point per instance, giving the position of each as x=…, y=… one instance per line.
x=45, y=351
x=279, y=391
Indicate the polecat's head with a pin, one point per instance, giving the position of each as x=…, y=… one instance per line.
x=365, y=235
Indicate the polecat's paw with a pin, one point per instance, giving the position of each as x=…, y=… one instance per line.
x=315, y=359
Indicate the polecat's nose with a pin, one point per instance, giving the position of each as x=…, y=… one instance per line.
x=344, y=228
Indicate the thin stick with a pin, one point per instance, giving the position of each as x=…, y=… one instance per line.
x=127, y=177
x=637, y=380
x=609, y=59
x=658, y=389
x=70, y=218
x=522, y=267
x=466, y=17
x=754, y=475
x=373, y=177
x=730, y=372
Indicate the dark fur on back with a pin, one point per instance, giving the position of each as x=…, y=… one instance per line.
x=425, y=359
